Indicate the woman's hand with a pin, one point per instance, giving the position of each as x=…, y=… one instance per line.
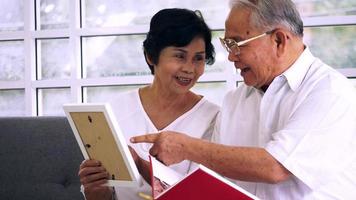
x=142, y=165
x=135, y=156
x=93, y=176
x=158, y=187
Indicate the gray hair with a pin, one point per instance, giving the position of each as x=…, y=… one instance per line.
x=270, y=14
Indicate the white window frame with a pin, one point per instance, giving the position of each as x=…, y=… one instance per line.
x=75, y=33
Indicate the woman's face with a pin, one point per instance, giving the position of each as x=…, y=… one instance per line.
x=179, y=68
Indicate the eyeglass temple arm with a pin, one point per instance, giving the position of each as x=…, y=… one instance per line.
x=253, y=38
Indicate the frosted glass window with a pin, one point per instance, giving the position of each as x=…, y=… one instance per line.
x=50, y=101
x=213, y=91
x=54, y=14
x=12, y=15
x=107, y=56
x=334, y=45
x=100, y=94
x=110, y=13
x=12, y=103
x=326, y=7
x=221, y=61
x=12, y=61
x=53, y=58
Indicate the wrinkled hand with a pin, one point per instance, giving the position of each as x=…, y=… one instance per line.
x=168, y=146
x=92, y=176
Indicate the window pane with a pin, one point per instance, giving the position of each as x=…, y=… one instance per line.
x=53, y=14
x=102, y=94
x=113, y=56
x=110, y=13
x=213, y=91
x=336, y=45
x=326, y=7
x=50, y=101
x=106, y=56
x=12, y=103
x=12, y=61
x=11, y=15
x=221, y=61
x=53, y=58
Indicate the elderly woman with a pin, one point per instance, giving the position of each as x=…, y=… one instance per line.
x=177, y=47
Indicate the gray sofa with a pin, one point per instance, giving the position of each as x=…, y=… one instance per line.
x=39, y=159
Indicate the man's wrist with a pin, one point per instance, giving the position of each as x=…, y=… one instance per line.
x=196, y=150
x=190, y=148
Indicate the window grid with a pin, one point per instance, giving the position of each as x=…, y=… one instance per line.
x=31, y=33
x=30, y=58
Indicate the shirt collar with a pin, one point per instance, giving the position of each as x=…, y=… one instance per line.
x=249, y=90
x=296, y=73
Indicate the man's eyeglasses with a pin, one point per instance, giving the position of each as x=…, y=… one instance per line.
x=232, y=46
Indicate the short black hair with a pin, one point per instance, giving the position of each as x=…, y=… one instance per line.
x=176, y=27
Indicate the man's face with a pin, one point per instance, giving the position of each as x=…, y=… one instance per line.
x=256, y=58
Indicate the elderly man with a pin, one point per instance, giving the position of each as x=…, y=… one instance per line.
x=288, y=132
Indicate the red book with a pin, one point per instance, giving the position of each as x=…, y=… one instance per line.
x=202, y=183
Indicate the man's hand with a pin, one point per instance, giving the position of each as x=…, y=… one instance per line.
x=168, y=147
x=92, y=176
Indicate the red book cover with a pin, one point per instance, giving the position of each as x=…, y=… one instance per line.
x=202, y=183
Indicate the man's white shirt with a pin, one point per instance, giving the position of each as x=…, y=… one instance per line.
x=307, y=121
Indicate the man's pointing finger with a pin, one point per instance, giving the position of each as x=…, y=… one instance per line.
x=148, y=138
